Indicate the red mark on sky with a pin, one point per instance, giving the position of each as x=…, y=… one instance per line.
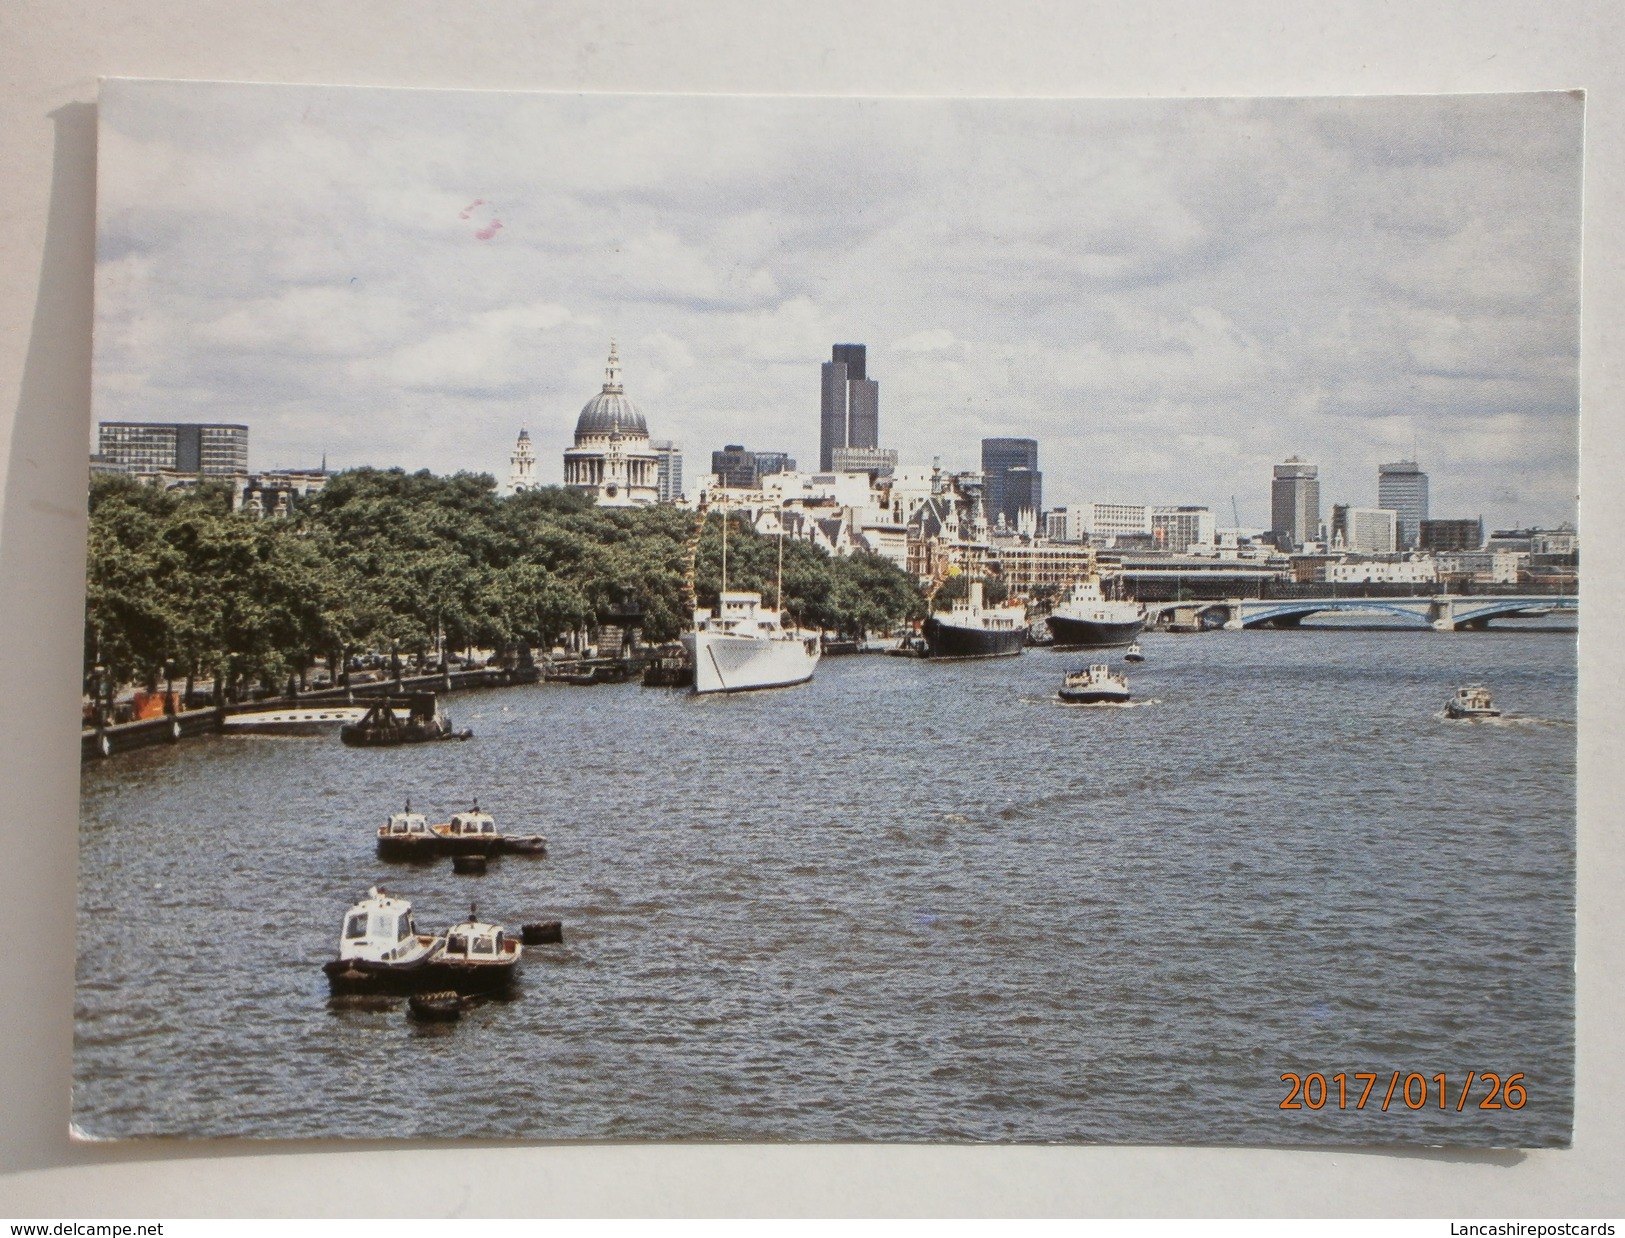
x=488, y=229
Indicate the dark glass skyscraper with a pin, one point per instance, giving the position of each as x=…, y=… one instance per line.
x=849, y=407
x=1012, y=480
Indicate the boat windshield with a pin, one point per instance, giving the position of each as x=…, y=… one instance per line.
x=356, y=925
x=484, y=945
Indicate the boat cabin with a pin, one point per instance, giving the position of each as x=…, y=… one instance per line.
x=737, y=613
x=469, y=824
x=474, y=941
x=379, y=928
x=406, y=824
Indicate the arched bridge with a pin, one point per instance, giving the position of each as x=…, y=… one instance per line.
x=1445, y=613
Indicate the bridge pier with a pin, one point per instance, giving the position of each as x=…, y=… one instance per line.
x=1442, y=614
x=1232, y=615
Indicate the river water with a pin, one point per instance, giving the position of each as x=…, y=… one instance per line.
x=907, y=901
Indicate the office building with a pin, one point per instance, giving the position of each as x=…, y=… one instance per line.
x=1402, y=488
x=876, y=461
x=1066, y=524
x=1179, y=528
x=203, y=449
x=1365, y=530
x=849, y=404
x=1175, y=528
x=668, y=470
x=1451, y=535
x=738, y=469
x=1012, y=480
x=1295, y=502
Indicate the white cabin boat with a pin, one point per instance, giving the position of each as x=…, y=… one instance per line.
x=1473, y=702
x=406, y=836
x=1097, y=685
x=380, y=949
x=741, y=647
x=475, y=833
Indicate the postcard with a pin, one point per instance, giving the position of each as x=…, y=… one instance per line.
x=831, y=619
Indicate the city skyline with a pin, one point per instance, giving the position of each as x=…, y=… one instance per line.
x=1170, y=296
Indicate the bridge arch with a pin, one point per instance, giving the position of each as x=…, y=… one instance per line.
x=1467, y=612
x=1295, y=612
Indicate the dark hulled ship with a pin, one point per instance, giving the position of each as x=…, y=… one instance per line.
x=971, y=630
x=1085, y=619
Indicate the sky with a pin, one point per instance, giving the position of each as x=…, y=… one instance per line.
x=1171, y=296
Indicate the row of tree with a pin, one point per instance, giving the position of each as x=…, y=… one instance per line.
x=180, y=586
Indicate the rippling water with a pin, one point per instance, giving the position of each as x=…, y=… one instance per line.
x=907, y=901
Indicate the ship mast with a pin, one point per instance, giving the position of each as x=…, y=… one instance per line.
x=778, y=602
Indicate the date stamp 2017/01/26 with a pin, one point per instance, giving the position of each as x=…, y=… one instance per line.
x=1313, y=1091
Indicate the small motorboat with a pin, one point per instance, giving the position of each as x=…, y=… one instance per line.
x=406, y=836
x=380, y=949
x=479, y=957
x=1095, y=685
x=475, y=833
x=1134, y=653
x=1473, y=702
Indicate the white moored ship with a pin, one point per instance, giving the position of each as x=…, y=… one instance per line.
x=741, y=647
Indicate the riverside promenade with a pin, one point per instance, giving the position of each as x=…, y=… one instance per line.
x=172, y=727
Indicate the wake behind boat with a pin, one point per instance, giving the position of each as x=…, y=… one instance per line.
x=1087, y=619
x=741, y=647
x=972, y=630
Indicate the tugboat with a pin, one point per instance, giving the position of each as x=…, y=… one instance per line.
x=971, y=630
x=1134, y=653
x=381, y=951
x=475, y=833
x=1086, y=619
x=1096, y=686
x=381, y=728
x=1471, y=702
x=406, y=836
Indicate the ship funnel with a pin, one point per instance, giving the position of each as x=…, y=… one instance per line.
x=974, y=595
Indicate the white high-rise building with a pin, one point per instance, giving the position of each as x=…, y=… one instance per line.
x=669, y=470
